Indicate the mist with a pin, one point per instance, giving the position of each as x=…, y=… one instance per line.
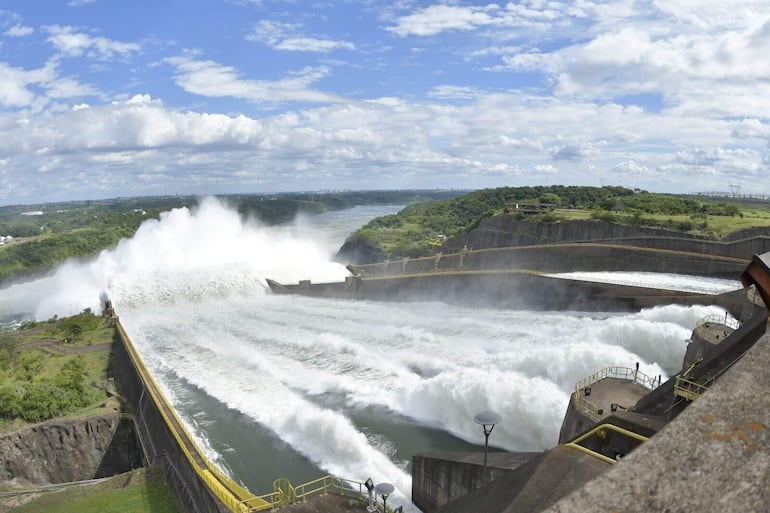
x=208, y=251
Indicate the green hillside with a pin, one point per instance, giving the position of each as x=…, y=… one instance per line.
x=419, y=229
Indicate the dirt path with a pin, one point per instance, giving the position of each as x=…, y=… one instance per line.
x=58, y=347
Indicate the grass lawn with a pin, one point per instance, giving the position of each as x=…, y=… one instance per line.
x=716, y=226
x=139, y=491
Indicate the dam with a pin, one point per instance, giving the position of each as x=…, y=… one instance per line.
x=577, y=420
x=354, y=390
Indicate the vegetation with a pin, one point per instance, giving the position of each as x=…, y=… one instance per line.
x=138, y=491
x=48, y=234
x=420, y=229
x=53, y=368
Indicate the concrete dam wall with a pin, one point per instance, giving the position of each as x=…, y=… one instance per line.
x=568, y=257
x=195, y=483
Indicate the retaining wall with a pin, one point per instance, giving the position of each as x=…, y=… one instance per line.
x=569, y=258
x=192, y=480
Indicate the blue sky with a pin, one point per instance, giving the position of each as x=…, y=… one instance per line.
x=105, y=98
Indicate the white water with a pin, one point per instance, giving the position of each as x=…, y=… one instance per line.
x=348, y=385
x=656, y=280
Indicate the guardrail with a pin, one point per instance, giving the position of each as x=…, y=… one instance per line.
x=598, y=430
x=724, y=320
x=588, y=407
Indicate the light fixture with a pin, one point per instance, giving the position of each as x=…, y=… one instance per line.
x=487, y=419
x=383, y=490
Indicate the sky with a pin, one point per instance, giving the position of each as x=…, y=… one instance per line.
x=107, y=98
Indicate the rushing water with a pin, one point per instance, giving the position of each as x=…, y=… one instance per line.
x=296, y=387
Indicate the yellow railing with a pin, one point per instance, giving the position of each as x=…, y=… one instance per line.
x=687, y=389
x=598, y=430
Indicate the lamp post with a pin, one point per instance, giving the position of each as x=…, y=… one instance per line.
x=487, y=419
x=383, y=490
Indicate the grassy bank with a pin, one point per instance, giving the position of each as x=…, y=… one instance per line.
x=139, y=491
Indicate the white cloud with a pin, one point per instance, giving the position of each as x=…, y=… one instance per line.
x=527, y=16
x=434, y=19
x=452, y=92
x=19, y=30
x=631, y=168
x=141, y=146
x=546, y=169
x=68, y=88
x=78, y=3
x=208, y=78
x=22, y=88
x=15, y=88
x=67, y=40
x=577, y=151
x=286, y=36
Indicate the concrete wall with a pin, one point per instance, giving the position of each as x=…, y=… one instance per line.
x=159, y=443
x=441, y=477
x=568, y=258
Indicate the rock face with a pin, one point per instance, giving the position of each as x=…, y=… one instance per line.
x=70, y=450
x=358, y=252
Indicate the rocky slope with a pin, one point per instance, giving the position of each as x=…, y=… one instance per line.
x=60, y=451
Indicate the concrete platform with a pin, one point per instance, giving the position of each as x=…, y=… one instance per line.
x=607, y=391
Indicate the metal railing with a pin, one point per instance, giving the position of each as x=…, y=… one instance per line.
x=687, y=389
x=724, y=320
x=588, y=407
x=284, y=494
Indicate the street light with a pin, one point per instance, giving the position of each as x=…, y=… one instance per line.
x=487, y=419
x=383, y=490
